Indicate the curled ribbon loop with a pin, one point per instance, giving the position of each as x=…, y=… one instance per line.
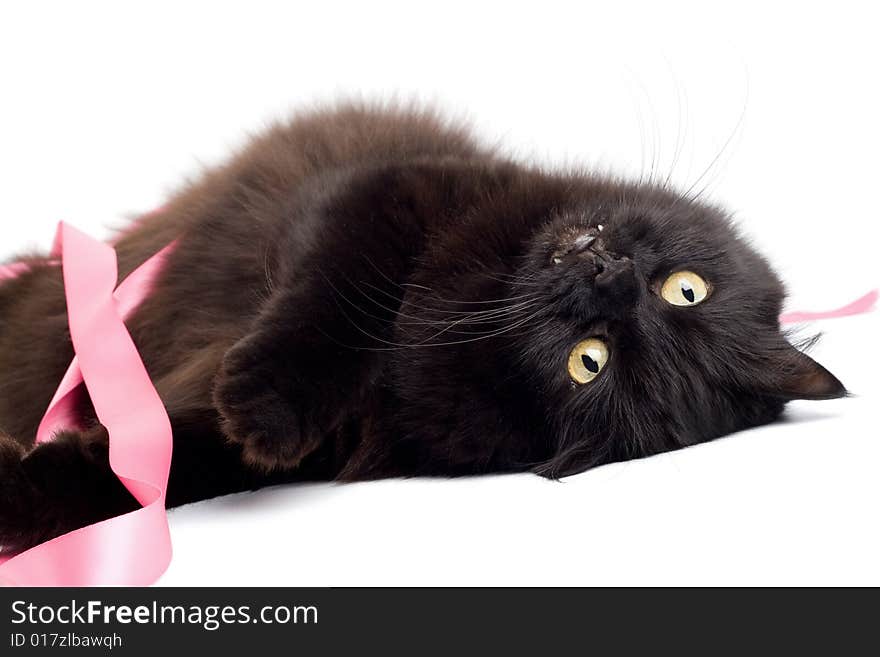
x=133, y=549
x=863, y=304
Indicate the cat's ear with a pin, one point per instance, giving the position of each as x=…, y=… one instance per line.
x=797, y=376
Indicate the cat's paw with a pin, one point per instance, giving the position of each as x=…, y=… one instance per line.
x=273, y=431
x=20, y=526
x=56, y=487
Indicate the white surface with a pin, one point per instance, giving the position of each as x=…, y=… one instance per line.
x=789, y=504
x=106, y=107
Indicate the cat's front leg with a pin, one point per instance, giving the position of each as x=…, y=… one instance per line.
x=297, y=376
x=316, y=350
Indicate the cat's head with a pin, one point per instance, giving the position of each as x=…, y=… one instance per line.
x=596, y=324
x=663, y=331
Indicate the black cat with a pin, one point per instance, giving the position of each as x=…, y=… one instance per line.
x=369, y=293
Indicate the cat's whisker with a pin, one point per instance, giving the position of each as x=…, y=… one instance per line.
x=513, y=280
x=463, y=320
x=345, y=298
x=410, y=303
x=681, y=126
x=416, y=286
x=380, y=272
x=488, y=335
x=395, y=346
x=476, y=317
x=485, y=301
x=413, y=285
x=733, y=133
x=512, y=302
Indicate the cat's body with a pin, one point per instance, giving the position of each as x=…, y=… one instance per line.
x=367, y=293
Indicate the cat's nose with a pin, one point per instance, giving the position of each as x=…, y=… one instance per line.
x=613, y=274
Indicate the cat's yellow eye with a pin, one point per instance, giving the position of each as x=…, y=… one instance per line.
x=587, y=359
x=684, y=288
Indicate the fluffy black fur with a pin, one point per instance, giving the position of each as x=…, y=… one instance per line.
x=366, y=293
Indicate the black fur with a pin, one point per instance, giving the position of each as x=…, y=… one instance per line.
x=368, y=293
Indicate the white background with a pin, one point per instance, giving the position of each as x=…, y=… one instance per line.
x=106, y=107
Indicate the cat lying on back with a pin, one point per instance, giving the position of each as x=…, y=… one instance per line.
x=369, y=293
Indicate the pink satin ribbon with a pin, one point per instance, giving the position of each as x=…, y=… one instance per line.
x=13, y=270
x=861, y=305
x=133, y=549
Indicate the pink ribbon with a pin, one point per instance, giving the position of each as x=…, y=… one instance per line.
x=13, y=270
x=133, y=549
x=861, y=305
